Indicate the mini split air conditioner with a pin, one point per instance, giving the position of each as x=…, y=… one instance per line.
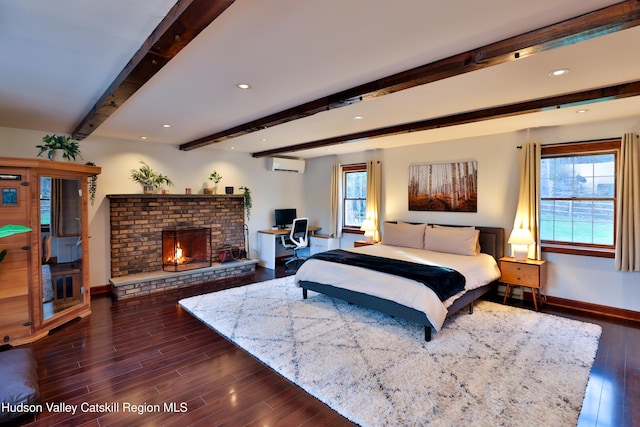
x=285, y=165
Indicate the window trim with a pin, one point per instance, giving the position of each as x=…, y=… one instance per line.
x=360, y=167
x=606, y=146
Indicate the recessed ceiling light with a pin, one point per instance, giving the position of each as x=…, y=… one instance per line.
x=358, y=117
x=559, y=72
x=582, y=111
x=143, y=137
x=263, y=140
x=243, y=86
x=166, y=125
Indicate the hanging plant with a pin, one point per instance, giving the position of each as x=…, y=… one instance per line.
x=93, y=184
x=247, y=201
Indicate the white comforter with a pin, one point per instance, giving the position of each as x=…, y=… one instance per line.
x=477, y=270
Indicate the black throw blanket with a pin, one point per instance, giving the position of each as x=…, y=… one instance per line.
x=445, y=282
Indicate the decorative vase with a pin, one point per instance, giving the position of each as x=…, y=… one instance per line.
x=148, y=189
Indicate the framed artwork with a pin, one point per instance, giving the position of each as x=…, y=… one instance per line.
x=448, y=187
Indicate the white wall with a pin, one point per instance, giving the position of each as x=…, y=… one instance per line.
x=572, y=277
x=270, y=190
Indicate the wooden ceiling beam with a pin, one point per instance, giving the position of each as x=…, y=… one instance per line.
x=604, y=21
x=185, y=20
x=552, y=103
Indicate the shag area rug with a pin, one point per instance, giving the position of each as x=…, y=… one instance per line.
x=500, y=366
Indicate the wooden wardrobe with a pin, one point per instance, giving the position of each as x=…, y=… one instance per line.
x=44, y=278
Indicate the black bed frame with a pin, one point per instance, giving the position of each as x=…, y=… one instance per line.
x=491, y=242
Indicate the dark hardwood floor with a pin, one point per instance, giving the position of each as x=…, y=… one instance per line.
x=148, y=351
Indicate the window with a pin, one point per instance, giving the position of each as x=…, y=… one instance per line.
x=354, y=196
x=45, y=203
x=578, y=197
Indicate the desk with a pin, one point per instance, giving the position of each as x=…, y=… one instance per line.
x=268, y=247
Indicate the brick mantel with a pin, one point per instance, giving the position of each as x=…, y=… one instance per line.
x=137, y=221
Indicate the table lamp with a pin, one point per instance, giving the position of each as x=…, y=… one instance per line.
x=368, y=226
x=520, y=239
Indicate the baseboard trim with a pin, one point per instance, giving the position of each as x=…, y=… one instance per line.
x=99, y=290
x=603, y=310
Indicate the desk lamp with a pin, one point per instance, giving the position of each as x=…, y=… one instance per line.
x=520, y=239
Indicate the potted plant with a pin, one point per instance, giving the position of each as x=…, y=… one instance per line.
x=149, y=179
x=216, y=178
x=247, y=201
x=55, y=145
x=93, y=185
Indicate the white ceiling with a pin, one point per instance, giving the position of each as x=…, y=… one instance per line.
x=58, y=57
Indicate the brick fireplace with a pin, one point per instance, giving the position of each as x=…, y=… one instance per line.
x=137, y=222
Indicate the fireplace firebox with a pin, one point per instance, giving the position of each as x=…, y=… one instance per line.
x=186, y=248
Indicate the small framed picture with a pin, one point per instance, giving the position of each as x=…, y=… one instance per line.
x=9, y=197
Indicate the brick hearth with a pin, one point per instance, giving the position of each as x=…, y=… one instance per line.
x=137, y=221
x=135, y=285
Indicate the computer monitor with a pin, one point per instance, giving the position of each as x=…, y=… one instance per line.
x=284, y=217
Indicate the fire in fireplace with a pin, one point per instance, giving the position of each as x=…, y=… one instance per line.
x=186, y=248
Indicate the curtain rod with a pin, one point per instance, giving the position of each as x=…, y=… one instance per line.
x=575, y=142
x=359, y=163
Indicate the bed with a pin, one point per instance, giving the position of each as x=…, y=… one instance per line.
x=453, y=247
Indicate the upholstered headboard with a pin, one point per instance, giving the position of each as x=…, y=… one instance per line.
x=491, y=239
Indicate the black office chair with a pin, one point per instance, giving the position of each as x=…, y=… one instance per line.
x=296, y=240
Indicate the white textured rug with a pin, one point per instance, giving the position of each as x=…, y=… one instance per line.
x=498, y=366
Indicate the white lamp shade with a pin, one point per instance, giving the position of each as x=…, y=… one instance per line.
x=521, y=236
x=368, y=225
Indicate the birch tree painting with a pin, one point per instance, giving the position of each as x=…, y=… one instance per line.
x=451, y=187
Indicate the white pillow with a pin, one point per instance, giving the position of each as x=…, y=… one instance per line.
x=453, y=240
x=470, y=227
x=403, y=234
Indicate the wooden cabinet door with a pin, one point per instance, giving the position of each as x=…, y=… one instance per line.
x=15, y=316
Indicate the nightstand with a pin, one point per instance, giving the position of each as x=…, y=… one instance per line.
x=359, y=243
x=530, y=273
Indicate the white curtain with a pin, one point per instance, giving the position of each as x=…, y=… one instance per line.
x=528, y=210
x=374, y=191
x=65, y=207
x=335, y=230
x=628, y=205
